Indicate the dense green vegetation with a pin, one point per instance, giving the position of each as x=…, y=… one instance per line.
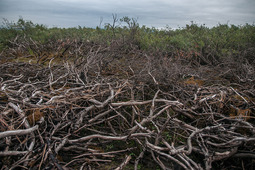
x=212, y=44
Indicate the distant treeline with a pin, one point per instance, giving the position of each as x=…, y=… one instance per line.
x=220, y=41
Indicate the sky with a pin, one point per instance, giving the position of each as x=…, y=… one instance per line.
x=151, y=13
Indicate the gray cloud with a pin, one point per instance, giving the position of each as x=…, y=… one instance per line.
x=157, y=13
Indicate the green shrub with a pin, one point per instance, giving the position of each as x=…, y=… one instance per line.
x=218, y=42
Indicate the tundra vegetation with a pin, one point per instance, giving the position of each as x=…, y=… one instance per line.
x=125, y=96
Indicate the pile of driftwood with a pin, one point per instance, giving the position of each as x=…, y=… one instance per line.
x=70, y=116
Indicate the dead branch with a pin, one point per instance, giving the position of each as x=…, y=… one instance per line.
x=18, y=132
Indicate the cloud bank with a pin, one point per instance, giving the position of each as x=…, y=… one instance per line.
x=156, y=13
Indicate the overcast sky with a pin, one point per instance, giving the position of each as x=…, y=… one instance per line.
x=156, y=13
